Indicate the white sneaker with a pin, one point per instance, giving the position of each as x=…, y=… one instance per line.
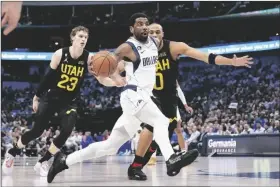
x=8, y=164
x=37, y=168
x=44, y=169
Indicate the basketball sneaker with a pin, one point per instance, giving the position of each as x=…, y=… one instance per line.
x=59, y=164
x=42, y=168
x=136, y=173
x=177, y=161
x=8, y=164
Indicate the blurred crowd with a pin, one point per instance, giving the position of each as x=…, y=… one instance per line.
x=119, y=13
x=226, y=100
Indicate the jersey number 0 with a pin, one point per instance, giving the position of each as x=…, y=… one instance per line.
x=65, y=79
x=159, y=81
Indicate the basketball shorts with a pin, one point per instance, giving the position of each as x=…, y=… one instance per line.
x=48, y=108
x=133, y=102
x=169, y=106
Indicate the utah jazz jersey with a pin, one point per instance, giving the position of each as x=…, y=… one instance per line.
x=166, y=72
x=69, y=76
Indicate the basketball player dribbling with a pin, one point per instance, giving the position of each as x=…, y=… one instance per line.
x=165, y=91
x=140, y=53
x=57, y=92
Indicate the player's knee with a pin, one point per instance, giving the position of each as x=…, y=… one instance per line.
x=72, y=116
x=69, y=120
x=149, y=127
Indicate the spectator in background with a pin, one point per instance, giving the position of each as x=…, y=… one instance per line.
x=268, y=129
x=87, y=139
x=8, y=141
x=80, y=136
x=71, y=142
x=204, y=133
x=57, y=132
x=105, y=135
x=247, y=129
x=193, y=140
x=95, y=137
x=276, y=128
x=259, y=129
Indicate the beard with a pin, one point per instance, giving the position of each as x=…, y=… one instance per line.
x=141, y=38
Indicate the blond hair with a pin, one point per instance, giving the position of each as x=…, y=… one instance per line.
x=77, y=29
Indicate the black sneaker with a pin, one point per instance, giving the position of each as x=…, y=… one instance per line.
x=136, y=173
x=178, y=161
x=59, y=164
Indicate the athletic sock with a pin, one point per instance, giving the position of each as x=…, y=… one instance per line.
x=46, y=157
x=150, y=152
x=138, y=161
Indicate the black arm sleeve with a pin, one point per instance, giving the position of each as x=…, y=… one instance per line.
x=46, y=82
x=211, y=58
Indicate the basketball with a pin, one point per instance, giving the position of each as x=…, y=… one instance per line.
x=103, y=64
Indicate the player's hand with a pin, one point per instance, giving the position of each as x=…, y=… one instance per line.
x=35, y=103
x=242, y=61
x=189, y=109
x=10, y=15
x=120, y=82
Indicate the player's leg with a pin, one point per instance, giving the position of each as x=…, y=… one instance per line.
x=117, y=138
x=168, y=108
x=141, y=105
x=68, y=121
x=45, y=110
x=146, y=146
x=179, y=133
x=134, y=171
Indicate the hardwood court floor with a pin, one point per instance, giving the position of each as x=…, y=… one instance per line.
x=111, y=171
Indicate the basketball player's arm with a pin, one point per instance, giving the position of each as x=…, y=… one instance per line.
x=183, y=98
x=181, y=94
x=50, y=74
x=180, y=48
x=123, y=52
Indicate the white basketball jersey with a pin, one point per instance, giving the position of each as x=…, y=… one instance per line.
x=142, y=72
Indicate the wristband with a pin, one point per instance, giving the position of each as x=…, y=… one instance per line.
x=211, y=58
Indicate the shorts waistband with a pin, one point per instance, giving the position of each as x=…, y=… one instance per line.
x=130, y=87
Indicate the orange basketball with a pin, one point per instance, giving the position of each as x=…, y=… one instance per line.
x=103, y=64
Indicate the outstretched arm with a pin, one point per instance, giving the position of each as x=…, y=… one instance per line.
x=180, y=48
x=183, y=99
